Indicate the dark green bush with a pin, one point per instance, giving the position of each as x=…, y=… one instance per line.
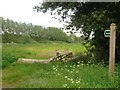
x=5, y=63
x=8, y=59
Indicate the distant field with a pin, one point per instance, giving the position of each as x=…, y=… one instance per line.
x=41, y=50
x=52, y=75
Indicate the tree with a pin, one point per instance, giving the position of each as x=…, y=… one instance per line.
x=91, y=17
x=27, y=33
x=56, y=34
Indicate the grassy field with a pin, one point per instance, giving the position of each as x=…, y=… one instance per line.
x=11, y=52
x=41, y=50
x=52, y=75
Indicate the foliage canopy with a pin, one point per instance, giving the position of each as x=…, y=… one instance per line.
x=91, y=17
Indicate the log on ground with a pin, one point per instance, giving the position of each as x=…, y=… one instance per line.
x=24, y=60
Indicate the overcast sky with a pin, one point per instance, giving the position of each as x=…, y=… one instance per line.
x=22, y=11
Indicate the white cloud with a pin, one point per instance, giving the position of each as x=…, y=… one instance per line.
x=22, y=10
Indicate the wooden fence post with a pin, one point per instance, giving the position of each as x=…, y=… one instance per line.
x=112, y=50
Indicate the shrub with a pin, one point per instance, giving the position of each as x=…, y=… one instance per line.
x=25, y=39
x=8, y=59
x=5, y=63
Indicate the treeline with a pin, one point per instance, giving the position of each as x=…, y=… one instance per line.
x=27, y=33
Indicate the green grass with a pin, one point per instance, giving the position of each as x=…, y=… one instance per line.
x=56, y=75
x=52, y=75
x=11, y=52
x=41, y=50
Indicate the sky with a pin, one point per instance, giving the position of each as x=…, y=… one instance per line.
x=22, y=11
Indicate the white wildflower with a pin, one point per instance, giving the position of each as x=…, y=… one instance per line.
x=76, y=71
x=78, y=62
x=82, y=64
x=64, y=85
x=72, y=81
x=68, y=78
x=65, y=76
x=71, y=71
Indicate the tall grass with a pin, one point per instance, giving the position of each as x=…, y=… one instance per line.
x=58, y=75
